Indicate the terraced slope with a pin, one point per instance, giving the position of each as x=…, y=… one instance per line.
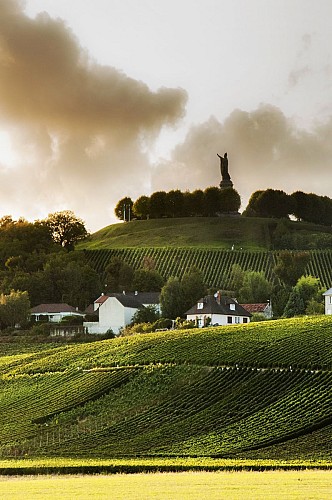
x=215, y=264
x=258, y=390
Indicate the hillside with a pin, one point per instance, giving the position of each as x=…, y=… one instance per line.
x=207, y=232
x=260, y=390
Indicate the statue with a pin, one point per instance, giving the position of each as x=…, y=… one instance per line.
x=224, y=167
x=225, y=177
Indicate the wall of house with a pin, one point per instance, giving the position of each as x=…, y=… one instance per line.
x=55, y=317
x=113, y=315
x=217, y=319
x=328, y=304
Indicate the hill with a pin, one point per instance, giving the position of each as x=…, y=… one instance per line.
x=209, y=232
x=260, y=390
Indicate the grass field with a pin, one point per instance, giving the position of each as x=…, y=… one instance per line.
x=205, y=232
x=290, y=485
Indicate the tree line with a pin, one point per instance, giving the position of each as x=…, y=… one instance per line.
x=307, y=207
x=176, y=203
x=275, y=203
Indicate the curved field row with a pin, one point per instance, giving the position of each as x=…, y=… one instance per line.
x=227, y=391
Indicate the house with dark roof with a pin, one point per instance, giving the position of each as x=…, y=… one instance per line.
x=53, y=312
x=116, y=310
x=217, y=310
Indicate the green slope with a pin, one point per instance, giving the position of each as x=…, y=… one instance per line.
x=243, y=391
x=209, y=232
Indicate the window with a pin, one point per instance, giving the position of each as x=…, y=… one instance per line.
x=232, y=307
x=229, y=319
x=237, y=319
x=200, y=305
x=245, y=320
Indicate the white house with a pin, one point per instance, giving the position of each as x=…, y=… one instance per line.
x=116, y=310
x=328, y=301
x=53, y=312
x=217, y=310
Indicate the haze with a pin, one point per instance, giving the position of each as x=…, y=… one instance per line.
x=108, y=98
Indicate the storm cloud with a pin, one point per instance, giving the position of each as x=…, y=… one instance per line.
x=265, y=149
x=80, y=128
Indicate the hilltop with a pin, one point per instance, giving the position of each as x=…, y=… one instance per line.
x=210, y=232
x=255, y=391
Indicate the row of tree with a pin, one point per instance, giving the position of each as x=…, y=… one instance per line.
x=276, y=203
x=176, y=203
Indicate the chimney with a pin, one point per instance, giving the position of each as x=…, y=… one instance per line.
x=218, y=297
x=124, y=292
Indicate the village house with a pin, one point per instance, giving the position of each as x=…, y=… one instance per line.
x=53, y=312
x=116, y=310
x=328, y=301
x=263, y=308
x=217, y=310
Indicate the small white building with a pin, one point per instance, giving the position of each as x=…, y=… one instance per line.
x=217, y=310
x=328, y=301
x=53, y=312
x=116, y=310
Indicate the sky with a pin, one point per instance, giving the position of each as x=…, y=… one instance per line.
x=101, y=99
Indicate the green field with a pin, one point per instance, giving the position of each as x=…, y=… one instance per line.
x=252, y=392
x=274, y=485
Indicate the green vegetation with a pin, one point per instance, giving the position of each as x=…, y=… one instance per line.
x=251, y=391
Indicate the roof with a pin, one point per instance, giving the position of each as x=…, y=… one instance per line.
x=211, y=306
x=255, y=308
x=132, y=299
x=328, y=292
x=54, y=308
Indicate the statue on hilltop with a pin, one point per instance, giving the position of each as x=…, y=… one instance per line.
x=225, y=177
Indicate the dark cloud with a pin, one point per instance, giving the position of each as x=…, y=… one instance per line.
x=265, y=149
x=83, y=125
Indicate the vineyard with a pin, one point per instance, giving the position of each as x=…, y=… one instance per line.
x=215, y=264
x=249, y=391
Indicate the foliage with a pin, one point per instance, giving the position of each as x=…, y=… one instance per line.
x=230, y=200
x=147, y=314
x=66, y=228
x=124, y=209
x=291, y=265
x=256, y=288
x=305, y=295
x=141, y=207
x=178, y=296
x=171, y=301
x=14, y=309
x=145, y=280
x=118, y=275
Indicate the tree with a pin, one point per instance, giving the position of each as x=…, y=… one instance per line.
x=212, y=201
x=192, y=287
x=306, y=291
x=141, y=207
x=66, y=229
x=236, y=278
x=178, y=296
x=148, y=314
x=193, y=203
x=147, y=280
x=118, y=275
x=274, y=203
x=230, y=200
x=158, y=204
x=171, y=301
x=251, y=209
x=256, y=288
x=174, y=203
x=14, y=309
x=290, y=266
x=124, y=209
